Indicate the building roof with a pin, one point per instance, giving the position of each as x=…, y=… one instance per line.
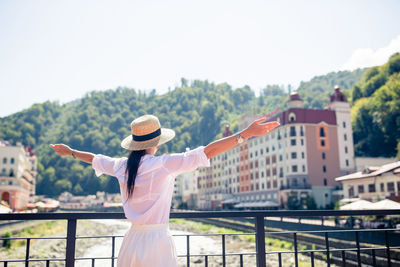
x=372, y=172
x=338, y=96
x=295, y=96
x=313, y=116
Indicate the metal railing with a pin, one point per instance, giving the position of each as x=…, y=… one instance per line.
x=346, y=247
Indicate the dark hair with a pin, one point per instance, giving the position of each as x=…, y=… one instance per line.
x=132, y=168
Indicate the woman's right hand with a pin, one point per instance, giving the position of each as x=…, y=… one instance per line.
x=257, y=128
x=61, y=149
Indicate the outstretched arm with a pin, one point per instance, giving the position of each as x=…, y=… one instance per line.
x=257, y=128
x=64, y=150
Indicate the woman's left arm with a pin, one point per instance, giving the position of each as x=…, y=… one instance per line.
x=64, y=150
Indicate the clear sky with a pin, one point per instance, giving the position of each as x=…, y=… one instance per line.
x=59, y=50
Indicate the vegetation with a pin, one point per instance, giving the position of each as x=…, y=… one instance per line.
x=317, y=91
x=376, y=110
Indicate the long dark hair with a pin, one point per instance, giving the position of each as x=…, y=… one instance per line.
x=132, y=168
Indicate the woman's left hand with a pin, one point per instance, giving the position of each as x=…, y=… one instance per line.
x=61, y=149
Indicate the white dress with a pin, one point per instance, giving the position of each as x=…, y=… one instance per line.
x=148, y=241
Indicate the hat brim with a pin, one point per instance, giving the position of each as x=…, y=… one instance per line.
x=165, y=136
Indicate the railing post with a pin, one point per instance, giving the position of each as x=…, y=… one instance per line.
x=260, y=241
x=71, y=238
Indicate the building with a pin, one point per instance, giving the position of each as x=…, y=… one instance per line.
x=17, y=175
x=185, y=190
x=300, y=158
x=372, y=183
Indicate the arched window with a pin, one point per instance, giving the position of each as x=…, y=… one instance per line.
x=292, y=116
x=12, y=160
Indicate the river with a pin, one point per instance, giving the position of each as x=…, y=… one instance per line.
x=198, y=245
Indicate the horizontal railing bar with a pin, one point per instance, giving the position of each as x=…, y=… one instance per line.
x=17, y=238
x=99, y=236
x=330, y=250
x=24, y=260
x=97, y=258
x=335, y=231
x=199, y=214
x=219, y=255
x=215, y=234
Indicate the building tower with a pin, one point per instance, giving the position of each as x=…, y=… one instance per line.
x=338, y=103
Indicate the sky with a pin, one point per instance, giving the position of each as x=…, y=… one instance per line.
x=60, y=50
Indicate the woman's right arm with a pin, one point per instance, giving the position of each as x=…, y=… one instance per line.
x=257, y=128
x=64, y=150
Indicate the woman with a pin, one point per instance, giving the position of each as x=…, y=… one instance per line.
x=147, y=182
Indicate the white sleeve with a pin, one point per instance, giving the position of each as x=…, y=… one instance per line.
x=107, y=165
x=187, y=161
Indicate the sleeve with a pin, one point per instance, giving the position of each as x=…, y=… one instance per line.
x=106, y=165
x=187, y=161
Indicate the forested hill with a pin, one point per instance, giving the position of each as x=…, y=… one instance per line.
x=197, y=111
x=376, y=110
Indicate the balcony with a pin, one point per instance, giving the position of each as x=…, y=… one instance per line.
x=308, y=232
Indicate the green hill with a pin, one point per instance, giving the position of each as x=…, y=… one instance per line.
x=196, y=110
x=376, y=110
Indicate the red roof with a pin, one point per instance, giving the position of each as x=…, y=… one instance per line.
x=338, y=96
x=294, y=96
x=313, y=116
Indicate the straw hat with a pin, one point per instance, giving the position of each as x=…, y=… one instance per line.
x=146, y=132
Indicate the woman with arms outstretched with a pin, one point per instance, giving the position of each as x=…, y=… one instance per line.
x=147, y=182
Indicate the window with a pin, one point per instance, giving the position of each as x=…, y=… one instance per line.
x=347, y=162
x=302, y=142
x=382, y=187
x=324, y=168
x=11, y=173
x=301, y=131
x=281, y=172
x=322, y=143
x=323, y=155
x=361, y=189
x=351, y=192
x=273, y=159
x=12, y=160
x=302, y=155
x=294, y=168
x=390, y=187
x=371, y=188
x=280, y=158
x=293, y=142
x=294, y=155
x=325, y=182
x=292, y=117
x=345, y=137
x=292, y=131
x=344, y=124
x=345, y=149
x=4, y=160
x=267, y=160
x=304, y=168
x=321, y=132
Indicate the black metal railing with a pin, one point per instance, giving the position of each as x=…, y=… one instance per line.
x=341, y=246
